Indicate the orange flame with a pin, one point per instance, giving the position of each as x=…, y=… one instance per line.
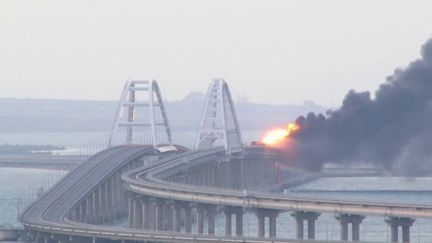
x=277, y=135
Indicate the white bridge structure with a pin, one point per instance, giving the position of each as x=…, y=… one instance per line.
x=141, y=109
x=219, y=120
x=175, y=195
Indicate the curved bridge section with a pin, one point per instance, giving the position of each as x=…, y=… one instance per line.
x=166, y=197
x=177, y=199
x=85, y=194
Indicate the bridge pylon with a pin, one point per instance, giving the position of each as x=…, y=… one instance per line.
x=140, y=111
x=219, y=124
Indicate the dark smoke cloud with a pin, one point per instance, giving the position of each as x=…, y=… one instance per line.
x=393, y=130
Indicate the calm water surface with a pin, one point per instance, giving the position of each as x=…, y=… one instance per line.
x=18, y=187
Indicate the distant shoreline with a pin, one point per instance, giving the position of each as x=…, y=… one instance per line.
x=41, y=161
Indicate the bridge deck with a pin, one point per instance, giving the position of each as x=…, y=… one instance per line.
x=48, y=213
x=151, y=182
x=52, y=207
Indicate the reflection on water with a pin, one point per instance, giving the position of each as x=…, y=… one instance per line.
x=19, y=186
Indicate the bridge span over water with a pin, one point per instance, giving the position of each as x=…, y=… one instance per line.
x=171, y=194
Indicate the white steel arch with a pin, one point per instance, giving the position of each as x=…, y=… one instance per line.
x=126, y=116
x=219, y=120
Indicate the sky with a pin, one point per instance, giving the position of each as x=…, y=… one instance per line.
x=270, y=51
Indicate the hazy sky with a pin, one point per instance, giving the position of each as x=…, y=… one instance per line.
x=276, y=52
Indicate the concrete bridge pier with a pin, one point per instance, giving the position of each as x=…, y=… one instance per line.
x=152, y=213
x=101, y=202
x=395, y=223
x=262, y=214
x=90, y=209
x=122, y=203
x=116, y=195
x=187, y=218
x=239, y=223
x=211, y=213
x=354, y=220
x=109, y=199
x=73, y=213
x=39, y=238
x=229, y=211
x=96, y=205
x=228, y=222
x=82, y=211
x=61, y=238
x=201, y=210
x=310, y=218
x=137, y=210
x=130, y=210
x=168, y=216
x=50, y=238
x=145, y=213
x=158, y=219
x=176, y=211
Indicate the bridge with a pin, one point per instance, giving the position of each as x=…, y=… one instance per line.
x=169, y=193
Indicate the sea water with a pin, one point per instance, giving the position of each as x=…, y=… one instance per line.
x=19, y=187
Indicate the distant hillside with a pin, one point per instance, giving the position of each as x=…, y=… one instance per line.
x=45, y=115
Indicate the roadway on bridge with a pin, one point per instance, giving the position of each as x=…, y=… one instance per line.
x=150, y=181
x=48, y=213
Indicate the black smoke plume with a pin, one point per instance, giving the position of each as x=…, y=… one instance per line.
x=392, y=130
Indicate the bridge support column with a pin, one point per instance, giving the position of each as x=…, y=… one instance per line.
x=138, y=217
x=272, y=226
x=405, y=233
x=211, y=221
x=271, y=215
x=188, y=219
x=96, y=204
x=39, y=238
x=109, y=190
x=394, y=233
x=159, y=215
x=90, y=211
x=311, y=228
x=239, y=223
x=145, y=211
x=121, y=196
x=75, y=213
x=395, y=223
x=261, y=225
x=199, y=220
x=131, y=215
x=102, y=202
x=356, y=231
x=176, y=216
x=82, y=211
x=310, y=217
x=238, y=212
x=354, y=220
x=114, y=199
x=299, y=228
x=60, y=238
x=168, y=217
x=228, y=225
x=151, y=213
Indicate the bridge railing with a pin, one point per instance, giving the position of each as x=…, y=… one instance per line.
x=102, y=142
